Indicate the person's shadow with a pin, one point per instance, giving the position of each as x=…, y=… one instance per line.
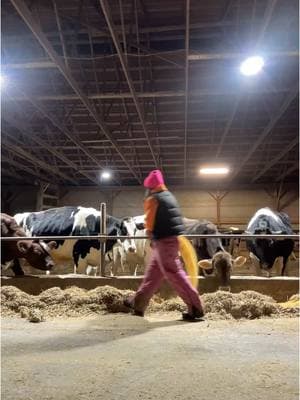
x=90, y=332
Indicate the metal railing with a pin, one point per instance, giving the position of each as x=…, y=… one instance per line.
x=114, y=237
x=102, y=237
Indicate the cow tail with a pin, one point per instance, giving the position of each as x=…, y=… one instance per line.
x=189, y=256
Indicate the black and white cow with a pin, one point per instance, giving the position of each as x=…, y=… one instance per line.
x=76, y=221
x=266, y=253
x=129, y=262
x=214, y=260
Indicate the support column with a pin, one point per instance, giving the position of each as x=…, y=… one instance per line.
x=218, y=197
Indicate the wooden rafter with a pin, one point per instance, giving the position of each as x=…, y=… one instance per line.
x=24, y=12
x=112, y=29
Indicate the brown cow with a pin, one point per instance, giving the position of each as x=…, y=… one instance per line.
x=36, y=253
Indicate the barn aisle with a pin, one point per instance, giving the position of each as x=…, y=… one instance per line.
x=124, y=357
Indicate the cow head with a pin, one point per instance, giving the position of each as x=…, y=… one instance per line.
x=128, y=228
x=37, y=253
x=221, y=265
x=139, y=222
x=267, y=254
x=264, y=253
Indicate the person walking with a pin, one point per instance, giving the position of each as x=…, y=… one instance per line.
x=164, y=226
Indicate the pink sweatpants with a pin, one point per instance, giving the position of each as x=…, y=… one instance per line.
x=165, y=263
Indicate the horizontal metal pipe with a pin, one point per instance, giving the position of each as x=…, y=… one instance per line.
x=98, y=237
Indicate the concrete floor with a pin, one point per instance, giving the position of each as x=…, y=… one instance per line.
x=125, y=357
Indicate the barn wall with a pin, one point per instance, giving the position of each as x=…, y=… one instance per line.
x=236, y=207
x=18, y=199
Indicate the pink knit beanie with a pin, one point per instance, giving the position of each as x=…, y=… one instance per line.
x=154, y=179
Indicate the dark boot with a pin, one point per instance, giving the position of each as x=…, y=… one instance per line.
x=194, y=315
x=128, y=303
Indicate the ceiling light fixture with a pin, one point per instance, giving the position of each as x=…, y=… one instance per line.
x=105, y=175
x=252, y=65
x=214, y=170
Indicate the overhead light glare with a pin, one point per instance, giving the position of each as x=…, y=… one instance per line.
x=252, y=65
x=2, y=80
x=105, y=175
x=214, y=171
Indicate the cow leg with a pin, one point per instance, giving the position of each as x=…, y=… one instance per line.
x=256, y=264
x=285, y=260
x=116, y=263
x=293, y=256
x=278, y=266
x=118, y=266
x=131, y=267
x=137, y=267
x=231, y=246
x=76, y=261
x=16, y=267
x=91, y=270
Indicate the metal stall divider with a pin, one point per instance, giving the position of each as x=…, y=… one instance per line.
x=102, y=240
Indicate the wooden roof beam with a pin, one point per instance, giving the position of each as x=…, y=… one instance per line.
x=194, y=56
x=186, y=89
x=24, y=12
x=288, y=100
x=112, y=29
x=275, y=160
x=266, y=20
x=155, y=94
x=27, y=169
x=15, y=175
x=288, y=172
x=62, y=128
x=36, y=161
x=22, y=128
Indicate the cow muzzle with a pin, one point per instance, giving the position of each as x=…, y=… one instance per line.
x=49, y=264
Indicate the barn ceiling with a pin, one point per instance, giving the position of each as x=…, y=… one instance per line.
x=130, y=85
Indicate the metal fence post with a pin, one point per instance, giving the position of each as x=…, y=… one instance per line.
x=102, y=241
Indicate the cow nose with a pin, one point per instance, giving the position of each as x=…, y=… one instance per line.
x=132, y=249
x=49, y=265
x=225, y=288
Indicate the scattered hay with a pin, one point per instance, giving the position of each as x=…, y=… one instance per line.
x=247, y=304
x=76, y=302
x=293, y=302
x=71, y=302
x=52, y=296
x=24, y=312
x=160, y=305
x=35, y=315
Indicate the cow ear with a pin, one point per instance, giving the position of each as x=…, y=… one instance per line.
x=239, y=261
x=23, y=246
x=205, y=264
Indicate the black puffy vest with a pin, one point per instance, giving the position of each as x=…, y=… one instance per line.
x=168, y=220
